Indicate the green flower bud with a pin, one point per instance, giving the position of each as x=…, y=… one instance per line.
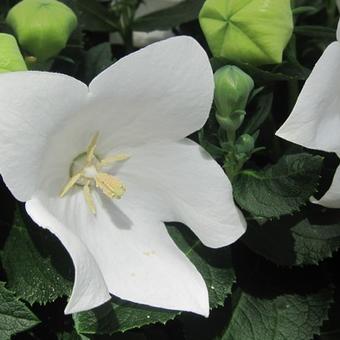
x=232, y=90
x=251, y=31
x=245, y=144
x=42, y=26
x=10, y=55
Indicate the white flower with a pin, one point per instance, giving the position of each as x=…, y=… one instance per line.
x=141, y=39
x=315, y=120
x=136, y=115
x=150, y=6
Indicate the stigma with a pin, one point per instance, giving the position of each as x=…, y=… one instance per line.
x=87, y=172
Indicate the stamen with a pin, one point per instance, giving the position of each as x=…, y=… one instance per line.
x=85, y=172
x=111, y=186
x=88, y=197
x=110, y=160
x=73, y=180
x=91, y=148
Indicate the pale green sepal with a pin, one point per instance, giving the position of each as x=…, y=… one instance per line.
x=42, y=27
x=250, y=31
x=10, y=55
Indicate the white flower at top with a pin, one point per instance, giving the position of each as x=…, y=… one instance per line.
x=315, y=120
x=141, y=39
x=102, y=167
x=149, y=6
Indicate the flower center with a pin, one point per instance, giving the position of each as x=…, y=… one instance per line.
x=86, y=171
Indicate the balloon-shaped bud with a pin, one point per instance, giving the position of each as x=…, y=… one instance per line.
x=42, y=27
x=251, y=31
x=245, y=145
x=10, y=55
x=232, y=90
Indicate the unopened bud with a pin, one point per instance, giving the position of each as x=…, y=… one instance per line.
x=232, y=90
x=255, y=31
x=245, y=144
x=10, y=55
x=42, y=27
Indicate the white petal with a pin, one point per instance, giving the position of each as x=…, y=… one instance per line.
x=338, y=28
x=89, y=290
x=315, y=120
x=135, y=254
x=33, y=105
x=331, y=199
x=161, y=92
x=142, y=39
x=191, y=185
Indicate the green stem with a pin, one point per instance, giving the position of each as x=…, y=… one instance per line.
x=331, y=12
x=232, y=165
x=129, y=42
x=231, y=135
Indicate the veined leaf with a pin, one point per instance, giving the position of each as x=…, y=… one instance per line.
x=15, y=317
x=284, y=317
x=34, y=260
x=280, y=189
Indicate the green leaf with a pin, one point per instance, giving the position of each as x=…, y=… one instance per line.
x=301, y=241
x=97, y=59
x=284, y=317
x=15, y=317
x=170, y=17
x=119, y=336
x=314, y=243
x=280, y=189
x=308, y=10
x=120, y=316
x=255, y=119
x=94, y=17
x=320, y=32
x=35, y=264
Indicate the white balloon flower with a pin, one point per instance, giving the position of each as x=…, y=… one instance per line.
x=142, y=39
x=315, y=120
x=102, y=167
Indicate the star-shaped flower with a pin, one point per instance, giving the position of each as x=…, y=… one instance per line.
x=102, y=167
x=315, y=120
